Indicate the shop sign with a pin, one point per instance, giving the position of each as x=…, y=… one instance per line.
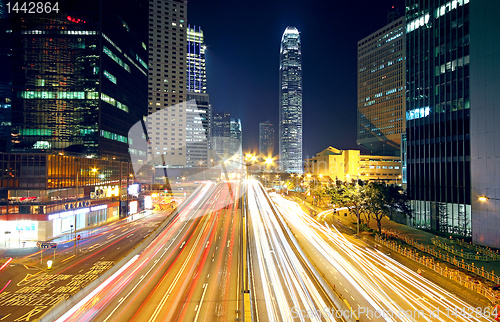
x=75, y=205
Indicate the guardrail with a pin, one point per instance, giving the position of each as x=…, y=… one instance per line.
x=455, y=275
x=495, y=255
x=483, y=257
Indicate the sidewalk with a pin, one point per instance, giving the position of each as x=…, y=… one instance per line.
x=30, y=247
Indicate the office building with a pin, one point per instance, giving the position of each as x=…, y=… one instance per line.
x=78, y=79
x=381, y=83
x=290, y=118
x=72, y=85
x=266, y=139
x=198, y=119
x=227, y=139
x=198, y=130
x=196, y=71
x=439, y=107
x=167, y=80
x=484, y=135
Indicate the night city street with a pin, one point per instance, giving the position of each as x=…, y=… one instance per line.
x=263, y=161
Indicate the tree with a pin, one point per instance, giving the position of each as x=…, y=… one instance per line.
x=351, y=195
x=377, y=204
x=384, y=199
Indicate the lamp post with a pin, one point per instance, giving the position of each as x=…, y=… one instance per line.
x=485, y=198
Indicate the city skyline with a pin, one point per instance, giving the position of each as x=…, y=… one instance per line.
x=241, y=70
x=168, y=216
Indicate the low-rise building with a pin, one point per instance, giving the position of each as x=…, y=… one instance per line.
x=335, y=164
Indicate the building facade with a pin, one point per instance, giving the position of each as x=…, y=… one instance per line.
x=78, y=80
x=334, y=164
x=167, y=77
x=198, y=119
x=290, y=118
x=44, y=195
x=438, y=114
x=227, y=139
x=484, y=128
x=73, y=83
x=381, y=83
x=198, y=130
x=266, y=139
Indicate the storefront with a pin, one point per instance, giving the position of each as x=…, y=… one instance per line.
x=15, y=232
x=64, y=222
x=43, y=227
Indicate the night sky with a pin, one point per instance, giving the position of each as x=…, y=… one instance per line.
x=243, y=42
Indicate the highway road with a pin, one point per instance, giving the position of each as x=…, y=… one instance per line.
x=192, y=270
x=31, y=291
x=372, y=281
x=188, y=273
x=283, y=285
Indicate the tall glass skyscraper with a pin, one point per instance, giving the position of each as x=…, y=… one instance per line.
x=78, y=78
x=198, y=120
x=290, y=140
x=381, y=84
x=197, y=78
x=438, y=114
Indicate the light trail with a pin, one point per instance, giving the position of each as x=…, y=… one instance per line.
x=287, y=287
x=98, y=299
x=386, y=284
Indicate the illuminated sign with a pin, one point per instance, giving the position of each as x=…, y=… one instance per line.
x=26, y=226
x=68, y=213
x=76, y=20
x=74, y=205
x=100, y=207
x=148, y=204
x=133, y=207
x=81, y=211
x=133, y=189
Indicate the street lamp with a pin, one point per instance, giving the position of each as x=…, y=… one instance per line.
x=484, y=198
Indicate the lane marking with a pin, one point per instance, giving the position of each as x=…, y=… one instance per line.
x=205, y=286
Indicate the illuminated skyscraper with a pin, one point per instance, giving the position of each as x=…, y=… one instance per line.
x=196, y=78
x=198, y=120
x=290, y=127
x=227, y=138
x=451, y=126
x=78, y=78
x=266, y=138
x=381, y=84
